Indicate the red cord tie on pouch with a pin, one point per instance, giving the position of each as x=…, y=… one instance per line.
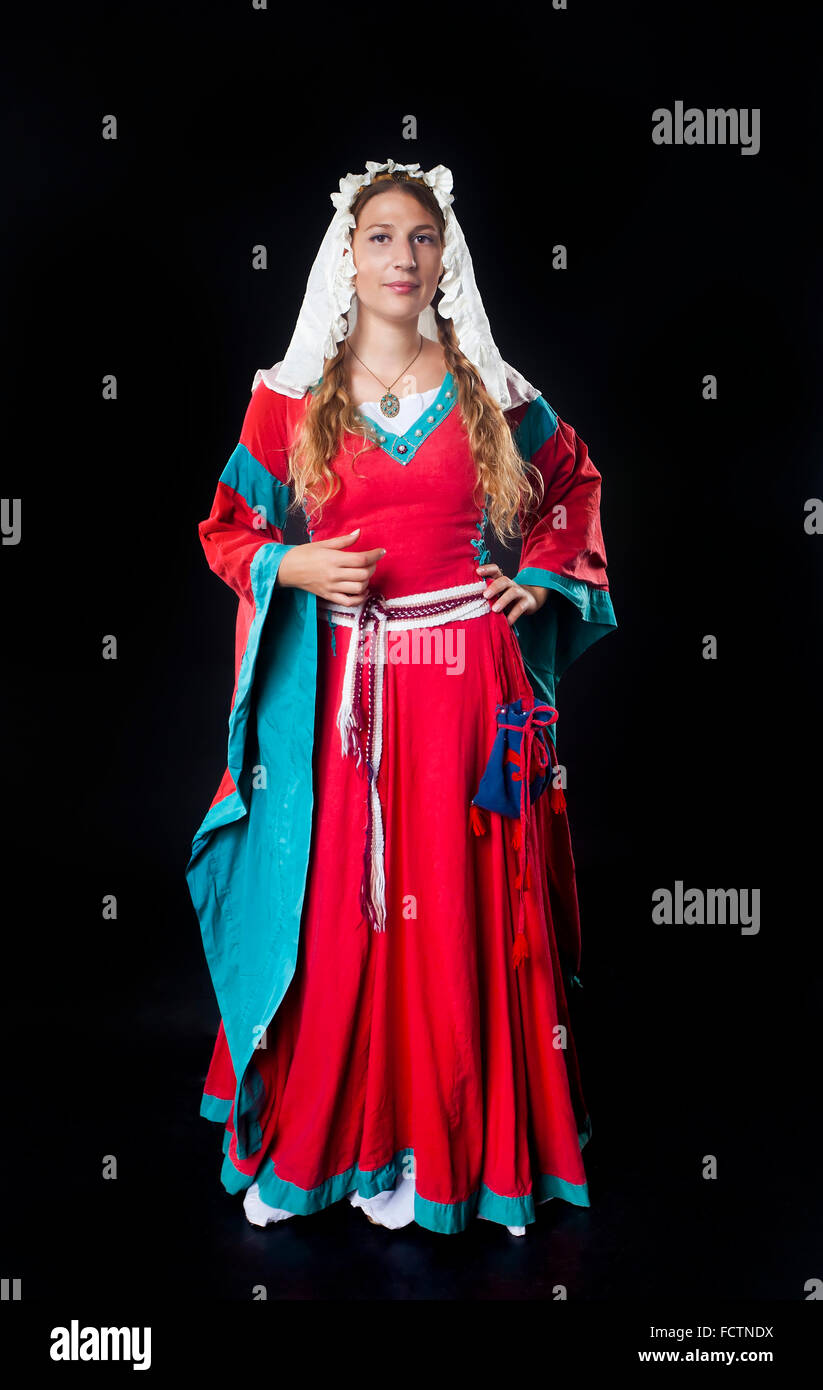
x=519, y=769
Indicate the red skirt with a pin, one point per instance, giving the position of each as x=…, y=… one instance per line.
x=422, y=1050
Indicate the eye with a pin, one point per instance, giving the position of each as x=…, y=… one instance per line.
x=379, y=236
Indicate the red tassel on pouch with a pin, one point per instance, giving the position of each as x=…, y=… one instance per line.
x=518, y=880
x=520, y=950
x=478, y=819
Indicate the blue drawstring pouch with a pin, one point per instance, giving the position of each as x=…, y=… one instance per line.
x=521, y=743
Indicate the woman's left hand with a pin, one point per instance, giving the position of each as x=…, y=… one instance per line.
x=527, y=598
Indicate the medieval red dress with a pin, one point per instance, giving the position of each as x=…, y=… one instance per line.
x=420, y=1049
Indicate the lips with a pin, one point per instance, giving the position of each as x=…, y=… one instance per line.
x=402, y=285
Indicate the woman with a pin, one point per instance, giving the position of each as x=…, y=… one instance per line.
x=387, y=955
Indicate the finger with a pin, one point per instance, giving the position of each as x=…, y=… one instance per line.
x=516, y=605
x=516, y=612
x=345, y=600
x=508, y=596
x=358, y=574
x=496, y=586
x=338, y=541
x=360, y=558
x=490, y=591
x=481, y=569
x=350, y=586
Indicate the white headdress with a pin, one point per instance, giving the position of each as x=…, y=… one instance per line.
x=330, y=295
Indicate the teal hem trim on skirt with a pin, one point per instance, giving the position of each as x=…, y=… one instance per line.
x=446, y=1217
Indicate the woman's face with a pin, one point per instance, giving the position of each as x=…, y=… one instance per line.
x=396, y=241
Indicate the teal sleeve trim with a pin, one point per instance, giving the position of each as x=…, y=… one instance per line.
x=256, y=485
x=264, y=569
x=538, y=424
x=247, y=870
x=574, y=617
x=214, y=1108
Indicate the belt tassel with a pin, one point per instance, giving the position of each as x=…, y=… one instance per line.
x=413, y=611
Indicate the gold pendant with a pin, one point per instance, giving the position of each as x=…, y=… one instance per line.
x=389, y=404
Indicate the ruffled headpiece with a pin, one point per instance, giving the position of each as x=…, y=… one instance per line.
x=329, y=309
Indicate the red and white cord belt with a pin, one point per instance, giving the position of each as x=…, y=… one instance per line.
x=382, y=615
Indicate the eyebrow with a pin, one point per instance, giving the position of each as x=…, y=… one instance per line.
x=421, y=226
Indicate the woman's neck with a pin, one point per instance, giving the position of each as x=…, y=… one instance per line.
x=385, y=348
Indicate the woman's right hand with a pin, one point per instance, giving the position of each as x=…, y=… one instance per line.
x=327, y=569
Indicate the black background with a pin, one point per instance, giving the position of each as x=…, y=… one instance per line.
x=133, y=257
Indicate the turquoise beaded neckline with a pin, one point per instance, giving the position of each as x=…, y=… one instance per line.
x=403, y=447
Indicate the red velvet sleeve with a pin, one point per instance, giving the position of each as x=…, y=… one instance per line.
x=562, y=549
x=249, y=507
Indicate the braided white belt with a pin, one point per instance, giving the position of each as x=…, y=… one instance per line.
x=382, y=615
